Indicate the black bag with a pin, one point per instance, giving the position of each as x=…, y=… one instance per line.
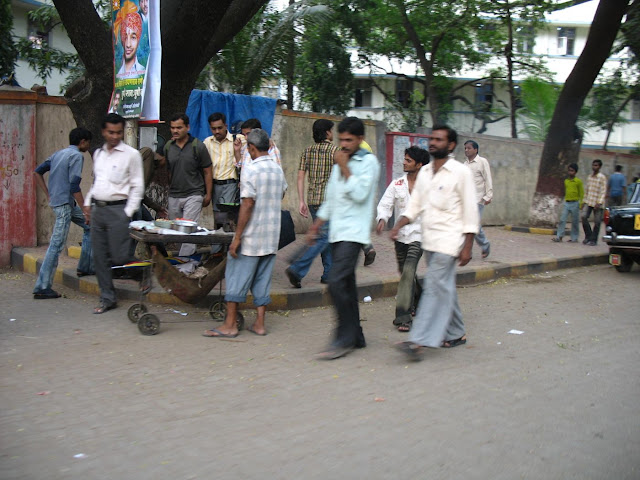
x=287, y=229
x=229, y=196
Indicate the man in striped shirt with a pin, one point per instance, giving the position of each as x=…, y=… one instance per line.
x=317, y=160
x=593, y=202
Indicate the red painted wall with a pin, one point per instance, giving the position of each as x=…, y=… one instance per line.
x=17, y=162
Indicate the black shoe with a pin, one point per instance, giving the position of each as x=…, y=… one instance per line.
x=46, y=294
x=324, y=281
x=83, y=274
x=295, y=281
x=369, y=257
x=585, y=241
x=592, y=244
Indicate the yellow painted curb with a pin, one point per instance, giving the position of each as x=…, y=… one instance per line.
x=29, y=263
x=484, y=275
x=74, y=251
x=542, y=231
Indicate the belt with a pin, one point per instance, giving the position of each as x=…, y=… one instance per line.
x=102, y=203
x=225, y=182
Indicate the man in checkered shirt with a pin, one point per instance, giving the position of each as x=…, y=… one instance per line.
x=594, y=194
x=252, y=253
x=317, y=160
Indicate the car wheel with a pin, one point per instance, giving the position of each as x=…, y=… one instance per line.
x=626, y=262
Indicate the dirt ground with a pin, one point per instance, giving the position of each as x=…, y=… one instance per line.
x=88, y=397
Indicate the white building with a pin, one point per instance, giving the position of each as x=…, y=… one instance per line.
x=57, y=38
x=559, y=43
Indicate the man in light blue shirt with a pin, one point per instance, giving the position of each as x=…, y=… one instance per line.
x=616, y=187
x=65, y=173
x=348, y=207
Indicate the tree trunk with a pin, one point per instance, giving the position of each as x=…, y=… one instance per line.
x=562, y=145
x=192, y=33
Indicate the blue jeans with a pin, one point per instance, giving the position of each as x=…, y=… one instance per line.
x=481, y=238
x=301, y=266
x=573, y=209
x=56, y=245
x=85, y=264
x=244, y=273
x=439, y=317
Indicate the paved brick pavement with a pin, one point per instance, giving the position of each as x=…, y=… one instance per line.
x=512, y=254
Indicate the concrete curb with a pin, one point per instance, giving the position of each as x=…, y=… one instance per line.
x=536, y=230
x=309, y=297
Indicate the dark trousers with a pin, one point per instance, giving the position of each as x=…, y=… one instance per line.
x=344, y=293
x=111, y=246
x=589, y=234
x=409, y=288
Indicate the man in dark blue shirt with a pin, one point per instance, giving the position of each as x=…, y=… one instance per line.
x=65, y=196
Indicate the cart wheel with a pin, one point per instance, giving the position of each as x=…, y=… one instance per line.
x=148, y=324
x=218, y=311
x=239, y=321
x=135, y=311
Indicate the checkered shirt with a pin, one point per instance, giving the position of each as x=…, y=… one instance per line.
x=263, y=180
x=596, y=190
x=318, y=161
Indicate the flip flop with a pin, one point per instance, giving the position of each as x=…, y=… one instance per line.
x=218, y=334
x=454, y=343
x=101, y=308
x=256, y=333
x=404, y=327
x=333, y=353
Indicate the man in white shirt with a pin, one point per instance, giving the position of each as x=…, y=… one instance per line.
x=240, y=144
x=407, y=246
x=484, y=188
x=444, y=198
x=116, y=193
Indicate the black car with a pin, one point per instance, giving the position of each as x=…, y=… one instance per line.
x=623, y=232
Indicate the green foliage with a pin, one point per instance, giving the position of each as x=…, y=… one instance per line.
x=538, y=100
x=260, y=49
x=607, y=98
x=324, y=72
x=406, y=119
x=42, y=58
x=8, y=51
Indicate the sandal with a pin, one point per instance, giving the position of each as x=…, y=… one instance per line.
x=454, y=343
x=103, y=307
x=405, y=327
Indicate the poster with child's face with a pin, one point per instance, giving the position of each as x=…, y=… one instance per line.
x=131, y=48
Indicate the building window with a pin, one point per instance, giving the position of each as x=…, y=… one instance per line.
x=38, y=35
x=404, y=88
x=525, y=38
x=566, y=40
x=364, y=89
x=484, y=97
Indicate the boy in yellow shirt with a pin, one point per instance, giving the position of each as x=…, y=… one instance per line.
x=573, y=195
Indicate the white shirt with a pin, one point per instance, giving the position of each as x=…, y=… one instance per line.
x=395, y=200
x=117, y=175
x=481, y=177
x=446, y=204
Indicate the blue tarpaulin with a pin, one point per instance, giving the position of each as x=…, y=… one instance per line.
x=237, y=109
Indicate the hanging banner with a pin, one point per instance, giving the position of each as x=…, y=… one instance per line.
x=137, y=54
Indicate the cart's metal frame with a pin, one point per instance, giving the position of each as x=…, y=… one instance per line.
x=149, y=323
